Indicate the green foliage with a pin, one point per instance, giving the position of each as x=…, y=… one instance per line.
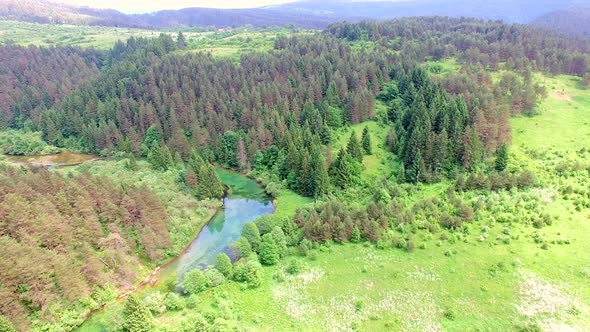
x=242, y=247
x=223, y=264
x=17, y=143
x=501, y=158
x=354, y=148
x=345, y=170
x=366, y=141
x=194, y=282
x=252, y=234
x=201, y=179
x=6, y=325
x=269, y=251
x=137, y=316
x=174, y=302
x=193, y=322
x=213, y=277
x=356, y=235
x=249, y=271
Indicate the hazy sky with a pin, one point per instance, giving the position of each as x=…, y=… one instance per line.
x=139, y=6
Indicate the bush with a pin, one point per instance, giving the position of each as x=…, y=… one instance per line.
x=410, y=246
x=6, y=325
x=249, y=271
x=155, y=302
x=192, y=301
x=174, y=302
x=223, y=264
x=269, y=252
x=193, y=322
x=213, y=277
x=194, y=282
x=294, y=267
x=252, y=234
x=242, y=247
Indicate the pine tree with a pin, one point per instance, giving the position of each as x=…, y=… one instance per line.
x=366, y=141
x=354, y=148
x=251, y=233
x=356, y=235
x=501, y=158
x=269, y=252
x=223, y=264
x=320, y=181
x=194, y=282
x=138, y=317
x=391, y=140
x=181, y=41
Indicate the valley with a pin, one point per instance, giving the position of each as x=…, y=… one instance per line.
x=414, y=174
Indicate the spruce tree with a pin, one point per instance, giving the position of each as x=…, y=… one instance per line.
x=356, y=235
x=223, y=264
x=138, y=317
x=501, y=158
x=354, y=148
x=269, y=252
x=366, y=141
x=320, y=181
x=251, y=233
x=181, y=41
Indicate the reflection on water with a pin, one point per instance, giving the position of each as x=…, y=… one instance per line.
x=221, y=232
x=245, y=202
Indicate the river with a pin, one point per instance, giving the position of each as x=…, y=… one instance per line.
x=245, y=201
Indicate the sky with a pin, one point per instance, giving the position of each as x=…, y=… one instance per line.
x=143, y=6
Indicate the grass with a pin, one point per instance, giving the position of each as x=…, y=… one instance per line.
x=224, y=44
x=564, y=122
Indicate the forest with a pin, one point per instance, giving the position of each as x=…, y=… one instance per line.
x=399, y=136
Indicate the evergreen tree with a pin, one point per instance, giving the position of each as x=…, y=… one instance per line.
x=501, y=158
x=320, y=181
x=194, y=282
x=269, y=252
x=151, y=136
x=138, y=317
x=354, y=148
x=356, y=235
x=251, y=233
x=223, y=264
x=366, y=141
x=345, y=170
x=181, y=41
x=391, y=140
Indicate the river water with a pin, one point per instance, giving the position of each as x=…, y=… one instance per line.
x=245, y=201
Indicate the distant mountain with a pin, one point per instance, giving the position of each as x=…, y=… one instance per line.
x=573, y=21
x=43, y=11
x=514, y=11
x=232, y=17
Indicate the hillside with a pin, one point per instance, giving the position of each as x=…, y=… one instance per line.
x=573, y=21
x=43, y=11
x=519, y=11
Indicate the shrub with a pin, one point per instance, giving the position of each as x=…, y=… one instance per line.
x=192, y=301
x=6, y=325
x=252, y=234
x=294, y=267
x=410, y=246
x=242, y=247
x=155, y=302
x=194, y=282
x=213, y=277
x=174, y=302
x=269, y=252
x=137, y=316
x=193, y=322
x=223, y=264
x=249, y=271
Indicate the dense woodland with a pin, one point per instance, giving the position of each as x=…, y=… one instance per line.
x=61, y=237
x=274, y=113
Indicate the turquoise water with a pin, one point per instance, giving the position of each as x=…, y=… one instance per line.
x=246, y=201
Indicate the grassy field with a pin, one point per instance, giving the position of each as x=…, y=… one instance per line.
x=478, y=281
x=226, y=43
